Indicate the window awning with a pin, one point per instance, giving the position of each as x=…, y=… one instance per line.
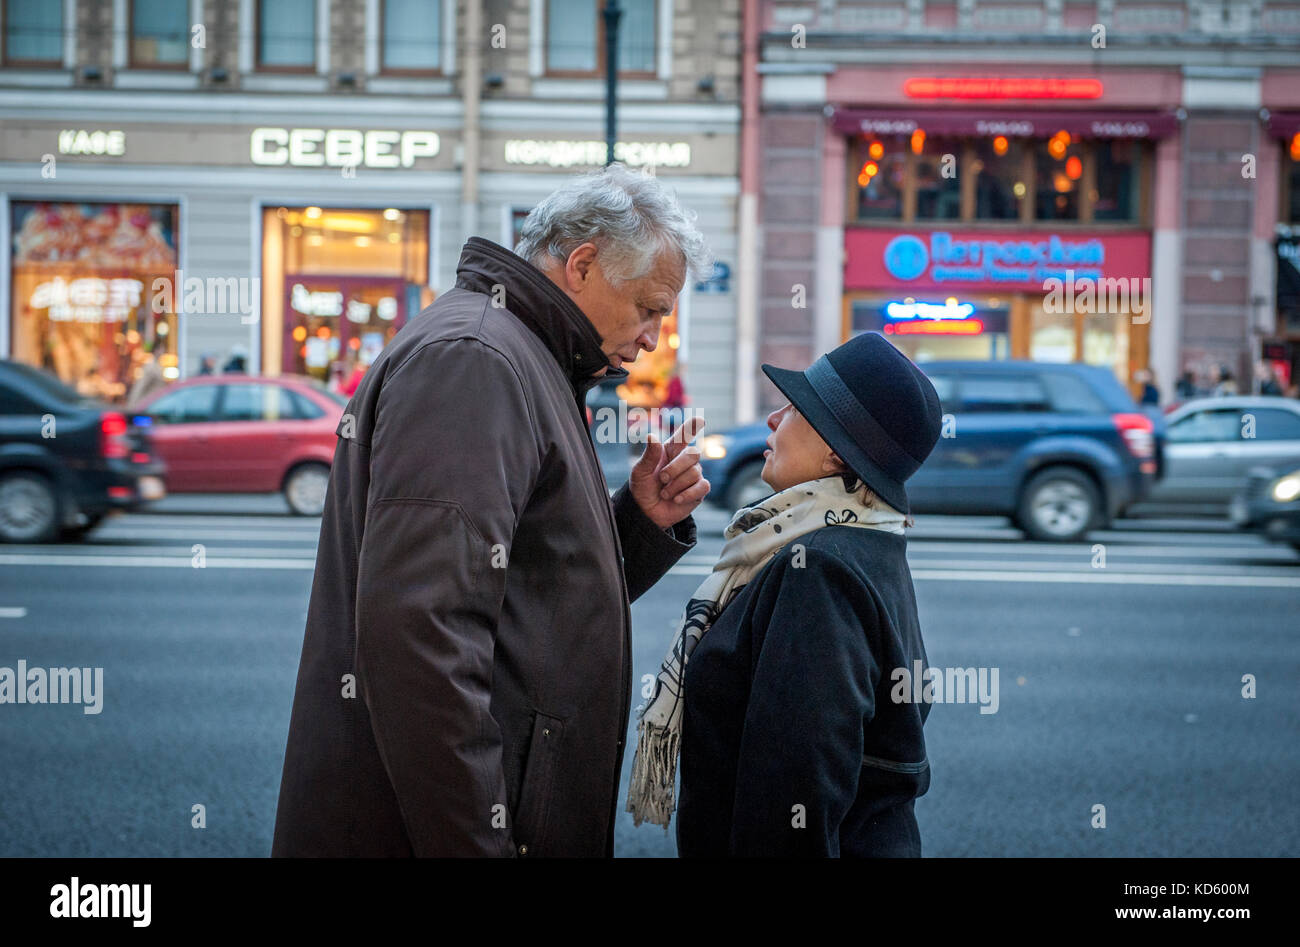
x=1013, y=124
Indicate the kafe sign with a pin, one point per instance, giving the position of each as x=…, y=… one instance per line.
x=340, y=147
x=988, y=260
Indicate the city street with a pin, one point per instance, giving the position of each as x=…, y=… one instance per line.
x=1119, y=686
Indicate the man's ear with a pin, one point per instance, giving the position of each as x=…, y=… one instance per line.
x=578, y=268
x=832, y=464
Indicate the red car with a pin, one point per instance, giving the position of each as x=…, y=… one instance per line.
x=245, y=434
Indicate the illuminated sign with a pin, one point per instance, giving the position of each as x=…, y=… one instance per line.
x=952, y=327
x=909, y=309
x=340, y=147
x=948, y=257
x=566, y=154
x=315, y=304
x=79, y=141
x=88, y=299
x=980, y=87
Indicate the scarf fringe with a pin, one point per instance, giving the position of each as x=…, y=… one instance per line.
x=650, y=794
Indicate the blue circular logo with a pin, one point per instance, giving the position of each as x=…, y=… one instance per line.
x=906, y=257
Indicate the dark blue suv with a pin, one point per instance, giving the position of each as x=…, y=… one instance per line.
x=1060, y=448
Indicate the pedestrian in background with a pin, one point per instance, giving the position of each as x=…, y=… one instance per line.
x=1150, y=393
x=779, y=685
x=473, y=574
x=1222, y=381
x=1268, y=384
x=149, y=380
x=238, y=361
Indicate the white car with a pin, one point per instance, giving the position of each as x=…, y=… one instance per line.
x=1212, y=444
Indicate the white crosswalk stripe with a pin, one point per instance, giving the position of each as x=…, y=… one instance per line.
x=943, y=551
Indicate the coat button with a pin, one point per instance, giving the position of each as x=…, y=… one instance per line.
x=546, y=732
x=523, y=849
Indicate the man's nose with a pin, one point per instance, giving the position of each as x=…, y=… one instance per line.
x=649, y=339
x=773, y=419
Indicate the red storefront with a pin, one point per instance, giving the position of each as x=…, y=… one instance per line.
x=1050, y=295
x=992, y=232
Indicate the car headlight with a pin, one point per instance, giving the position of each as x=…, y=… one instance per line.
x=1288, y=488
x=713, y=446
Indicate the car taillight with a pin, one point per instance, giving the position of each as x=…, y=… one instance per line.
x=113, y=441
x=1138, y=433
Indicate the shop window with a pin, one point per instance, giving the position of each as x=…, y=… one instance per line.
x=649, y=380
x=286, y=35
x=1117, y=188
x=1106, y=341
x=1051, y=336
x=1052, y=181
x=1291, y=180
x=82, y=291
x=974, y=329
x=1058, y=173
x=937, y=177
x=881, y=173
x=33, y=32
x=998, y=166
x=517, y=217
x=412, y=36
x=160, y=34
x=575, y=37
x=337, y=284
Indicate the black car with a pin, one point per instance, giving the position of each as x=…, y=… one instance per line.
x=1269, y=504
x=65, y=460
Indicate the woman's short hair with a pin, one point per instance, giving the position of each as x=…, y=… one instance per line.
x=631, y=216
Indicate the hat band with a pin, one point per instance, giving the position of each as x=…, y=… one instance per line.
x=858, y=422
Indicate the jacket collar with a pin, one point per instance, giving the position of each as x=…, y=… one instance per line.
x=533, y=299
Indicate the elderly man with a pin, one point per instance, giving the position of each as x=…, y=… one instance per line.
x=466, y=675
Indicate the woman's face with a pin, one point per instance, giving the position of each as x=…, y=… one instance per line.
x=796, y=453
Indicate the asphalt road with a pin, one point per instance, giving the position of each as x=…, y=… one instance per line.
x=1119, y=686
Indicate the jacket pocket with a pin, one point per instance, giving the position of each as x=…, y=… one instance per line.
x=534, y=809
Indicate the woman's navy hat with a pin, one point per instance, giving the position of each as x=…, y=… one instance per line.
x=871, y=406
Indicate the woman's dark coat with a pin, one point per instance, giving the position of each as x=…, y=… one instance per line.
x=791, y=743
x=466, y=674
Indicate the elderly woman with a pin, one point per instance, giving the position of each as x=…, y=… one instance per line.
x=778, y=688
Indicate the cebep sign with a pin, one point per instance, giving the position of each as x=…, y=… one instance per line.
x=340, y=147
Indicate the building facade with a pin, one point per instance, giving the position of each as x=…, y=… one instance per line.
x=286, y=182
x=1108, y=182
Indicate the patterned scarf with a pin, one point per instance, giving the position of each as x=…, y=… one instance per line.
x=753, y=537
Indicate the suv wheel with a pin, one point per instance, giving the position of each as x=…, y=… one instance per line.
x=1058, y=504
x=305, y=489
x=747, y=486
x=29, y=508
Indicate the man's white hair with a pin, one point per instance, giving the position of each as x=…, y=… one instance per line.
x=631, y=217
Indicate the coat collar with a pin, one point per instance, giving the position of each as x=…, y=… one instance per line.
x=533, y=299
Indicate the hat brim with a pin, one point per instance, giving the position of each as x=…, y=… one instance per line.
x=796, y=387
